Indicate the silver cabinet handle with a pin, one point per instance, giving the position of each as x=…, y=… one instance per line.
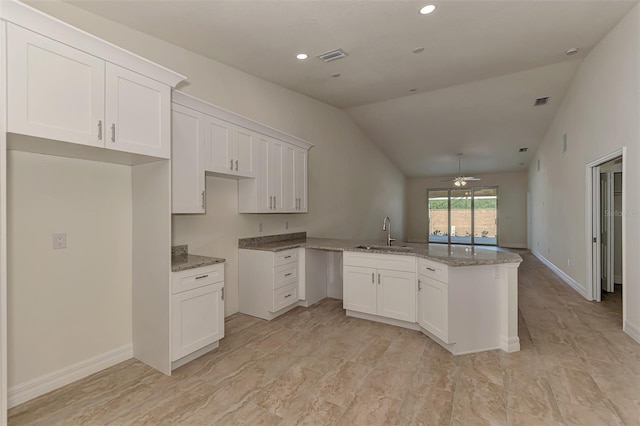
x=275, y=203
x=288, y=295
x=99, y=129
x=203, y=200
x=113, y=132
x=287, y=257
x=373, y=279
x=201, y=277
x=419, y=285
x=236, y=165
x=222, y=295
x=231, y=164
x=430, y=269
x=287, y=275
x=378, y=278
x=270, y=202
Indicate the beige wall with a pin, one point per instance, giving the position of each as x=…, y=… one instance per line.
x=512, y=206
x=352, y=185
x=66, y=305
x=599, y=115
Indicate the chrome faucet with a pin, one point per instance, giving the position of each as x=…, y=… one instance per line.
x=386, y=226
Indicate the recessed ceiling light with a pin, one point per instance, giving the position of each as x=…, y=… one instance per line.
x=418, y=50
x=427, y=9
x=336, y=75
x=571, y=51
x=302, y=56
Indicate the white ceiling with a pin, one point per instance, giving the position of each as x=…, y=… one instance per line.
x=483, y=64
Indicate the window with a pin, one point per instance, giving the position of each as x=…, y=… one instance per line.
x=463, y=216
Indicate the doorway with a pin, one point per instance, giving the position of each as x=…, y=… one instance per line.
x=606, y=222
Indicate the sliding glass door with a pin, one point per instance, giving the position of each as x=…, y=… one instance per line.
x=463, y=216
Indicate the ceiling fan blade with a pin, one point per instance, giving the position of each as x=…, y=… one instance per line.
x=468, y=178
x=448, y=180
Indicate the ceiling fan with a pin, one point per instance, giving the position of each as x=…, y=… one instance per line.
x=461, y=180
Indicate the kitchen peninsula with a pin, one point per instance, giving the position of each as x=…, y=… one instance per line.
x=465, y=298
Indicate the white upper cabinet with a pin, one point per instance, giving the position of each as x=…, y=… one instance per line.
x=187, y=160
x=228, y=148
x=300, y=181
x=62, y=93
x=138, y=113
x=54, y=91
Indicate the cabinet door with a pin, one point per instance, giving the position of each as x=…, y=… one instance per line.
x=55, y=91
x=138, y=113
x=433, y=307
x=360, y=289
x=275, y=161
x=397, y=295
x=197, y=319
x=218, y=135
x=300, y=180
x=288, y=177
x=187, y=160
x=244, y=161
x=264, y=202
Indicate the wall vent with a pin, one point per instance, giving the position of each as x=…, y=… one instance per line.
x=541, y=101
x=333, y=55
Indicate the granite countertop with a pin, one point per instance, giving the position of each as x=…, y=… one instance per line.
x=451, y=255
x=181, y=260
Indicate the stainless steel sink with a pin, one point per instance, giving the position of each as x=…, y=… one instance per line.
x=385, y=248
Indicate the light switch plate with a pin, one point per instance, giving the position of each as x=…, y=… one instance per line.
x=59, y=241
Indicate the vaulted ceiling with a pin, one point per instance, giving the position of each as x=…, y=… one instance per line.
x=471, y=89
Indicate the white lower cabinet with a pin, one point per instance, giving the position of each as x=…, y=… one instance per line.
x=388, y=292
x=433, y=307
x=197, y=309
x=269, y=282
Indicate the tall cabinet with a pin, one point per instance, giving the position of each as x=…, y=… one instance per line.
x=270, y=165
x=68, y=93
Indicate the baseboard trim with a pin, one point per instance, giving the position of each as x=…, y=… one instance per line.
x=513, y=245
x=632, y=331
x=510, y=344
x=563, y=276
x=34, y=388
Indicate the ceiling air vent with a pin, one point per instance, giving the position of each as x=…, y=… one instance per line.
x=333, y=55
x=541, y=101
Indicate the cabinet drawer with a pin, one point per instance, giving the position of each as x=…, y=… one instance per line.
x=197, y=277
x=284, y=257
x=435, y=270
x=284, y=297
x=285, y=274
x=392, y=262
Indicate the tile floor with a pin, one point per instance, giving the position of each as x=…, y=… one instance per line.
x=317, y=366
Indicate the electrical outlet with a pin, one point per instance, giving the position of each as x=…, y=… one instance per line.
x=59, y=241
x=260, y=227
x=568, y=262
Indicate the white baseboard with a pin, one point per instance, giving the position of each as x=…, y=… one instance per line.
x=632, y=331
x=510, y=344
x=24, y=392
x=559, y=272
x=513, y=245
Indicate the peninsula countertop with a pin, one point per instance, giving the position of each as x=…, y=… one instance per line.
x=448, y=254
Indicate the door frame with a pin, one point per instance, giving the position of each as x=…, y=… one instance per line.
x=592, y=227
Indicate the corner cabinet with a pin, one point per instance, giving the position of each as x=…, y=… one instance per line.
x=271, y=166
x=62, y=93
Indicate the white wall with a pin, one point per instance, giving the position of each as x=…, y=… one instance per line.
x=599, y=115
x=512, y=206
x=352, y=185
x=67, y=305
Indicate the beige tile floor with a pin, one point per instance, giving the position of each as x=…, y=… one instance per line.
x=317, y=366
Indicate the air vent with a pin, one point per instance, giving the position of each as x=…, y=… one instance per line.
x=523, y=150
x=333, y=55
x=541, y=101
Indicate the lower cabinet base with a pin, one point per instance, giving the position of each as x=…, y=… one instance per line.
x=264, y=314
x=458, y=348
x=186, y=359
